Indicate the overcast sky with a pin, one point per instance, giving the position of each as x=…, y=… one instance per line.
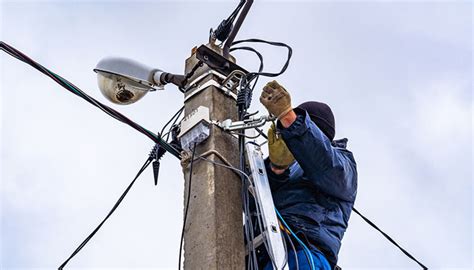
x=398, y=76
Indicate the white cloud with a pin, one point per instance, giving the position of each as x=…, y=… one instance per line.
x=443, y=112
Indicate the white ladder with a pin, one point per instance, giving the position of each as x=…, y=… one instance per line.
x=271, y=232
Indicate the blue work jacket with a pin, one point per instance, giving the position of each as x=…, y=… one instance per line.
x=316, y=193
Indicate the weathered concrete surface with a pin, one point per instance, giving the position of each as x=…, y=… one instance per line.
x=213, y=234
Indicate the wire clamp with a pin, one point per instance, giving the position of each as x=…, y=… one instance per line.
x=248, y=123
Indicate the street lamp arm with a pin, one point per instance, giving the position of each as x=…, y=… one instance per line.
x=162, y=78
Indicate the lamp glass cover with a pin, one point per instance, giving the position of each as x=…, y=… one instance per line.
x=119, y=89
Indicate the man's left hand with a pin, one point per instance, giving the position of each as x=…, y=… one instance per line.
x=279, y=153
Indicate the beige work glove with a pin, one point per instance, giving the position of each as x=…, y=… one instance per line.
x=278, y=151
x=276, y=99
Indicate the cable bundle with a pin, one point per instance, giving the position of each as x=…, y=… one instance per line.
x=244, y=99
x=225, y=27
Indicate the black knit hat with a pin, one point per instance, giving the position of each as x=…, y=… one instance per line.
x=322, y=116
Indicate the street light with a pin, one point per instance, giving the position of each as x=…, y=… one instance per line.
x=125, y=81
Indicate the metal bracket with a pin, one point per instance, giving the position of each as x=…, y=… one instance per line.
x=228, y=85
x=233, y=80
x=198, y=79
x=251, y=122
x=216, y=61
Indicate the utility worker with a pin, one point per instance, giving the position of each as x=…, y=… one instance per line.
x=313, y=177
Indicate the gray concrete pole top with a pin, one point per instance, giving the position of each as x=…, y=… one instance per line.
x=213, y=236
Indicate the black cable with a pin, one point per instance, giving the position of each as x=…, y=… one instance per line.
x=225, y=27
x=75, y=90
x=252, y=262
x=243, y=101
x=254, y=75
x=175, y=142
x=189, y=75
x=115, y=114
x=170, y=131
x=176, y=115
x=244, y=96
x=69, y=86
x=243, y=134
x=252, y=251
x=389, y=238
x=248, y=228
x=145, y=165
x=260, y=57
x=236, y=11
x=278, y=44
x=61, y=81
x=187, y=207
x=262, y=133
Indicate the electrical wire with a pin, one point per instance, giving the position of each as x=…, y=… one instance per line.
x=248, y=78
x=75, y=90
x=111, y=112
x=302, y=244
x=85, y=241
x=151, y=157
x=262, y=133
x=226, y=26
x=176, y=115
x=240, y=172
x=294, y=250
x=249, y=225
x=389, y=238
x=273, y=43
x=244, y=97
x=243, y=101
x=252, y=262
x=260, y=57
x=252, y=75
x=270, y=254
x=189, y=75
x=187, y=207
x=246, y=136
x=234, y=13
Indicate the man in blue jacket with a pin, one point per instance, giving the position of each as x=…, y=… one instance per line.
x=312, y=176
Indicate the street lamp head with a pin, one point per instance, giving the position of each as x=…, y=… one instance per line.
x=124, y=81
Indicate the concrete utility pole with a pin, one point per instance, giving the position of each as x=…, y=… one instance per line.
x=213, y=236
